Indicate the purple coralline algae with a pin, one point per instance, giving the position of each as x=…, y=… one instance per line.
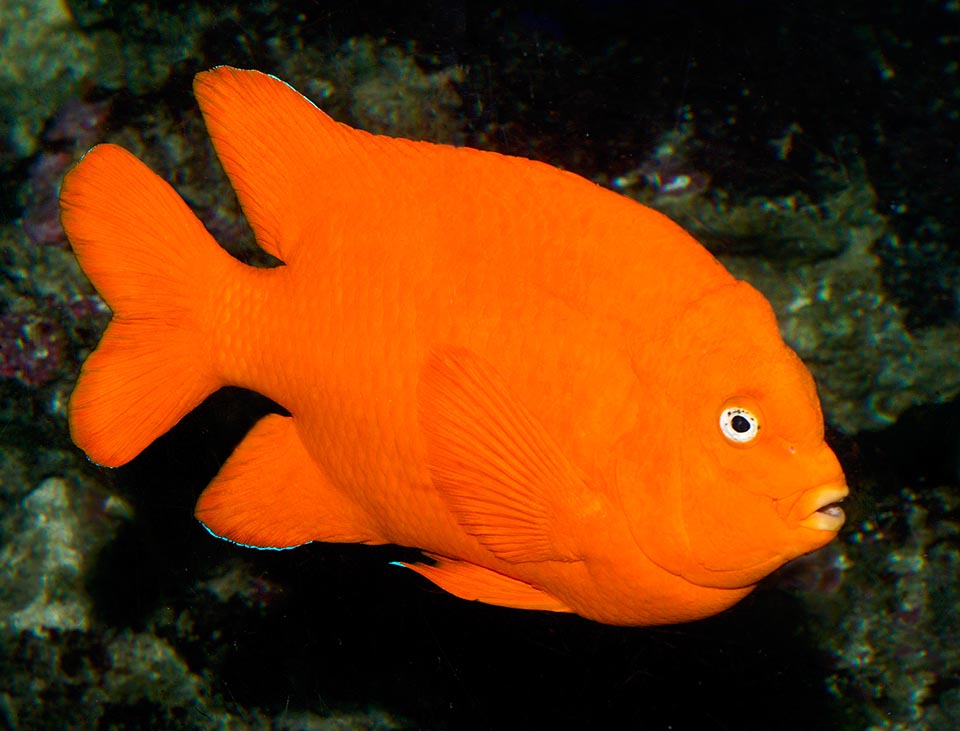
x=32, y=347
x=76, y=127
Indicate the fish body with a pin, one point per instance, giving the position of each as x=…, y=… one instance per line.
x=556, y=393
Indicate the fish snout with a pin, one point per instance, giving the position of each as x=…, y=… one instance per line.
x=819, y=508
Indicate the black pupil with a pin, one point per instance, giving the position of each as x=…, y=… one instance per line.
x=740, y=424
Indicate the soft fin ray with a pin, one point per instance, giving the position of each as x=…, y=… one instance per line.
x=274, y=145
x=475, y=583
x=270, y=494
x=147, y=255
x=505, y=479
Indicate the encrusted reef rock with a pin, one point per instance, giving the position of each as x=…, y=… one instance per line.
x=43, y=61
x=52, y=541
x=889, y=620
x=63, y=667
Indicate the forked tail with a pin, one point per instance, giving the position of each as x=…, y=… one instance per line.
x=153, y=263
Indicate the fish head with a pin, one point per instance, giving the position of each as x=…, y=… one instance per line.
x=746, y=481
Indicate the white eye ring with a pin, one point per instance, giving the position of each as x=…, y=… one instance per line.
x=739, y=425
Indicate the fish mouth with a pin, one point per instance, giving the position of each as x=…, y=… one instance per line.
x=819, y=509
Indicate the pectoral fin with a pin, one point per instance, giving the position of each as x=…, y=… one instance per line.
x=506, y=481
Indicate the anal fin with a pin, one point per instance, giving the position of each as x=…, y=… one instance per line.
x=476, y=583
x=271, y=494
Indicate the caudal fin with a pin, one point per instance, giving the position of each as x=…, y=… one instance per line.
x=151, y=260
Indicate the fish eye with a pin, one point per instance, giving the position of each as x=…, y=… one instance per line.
x=739, y=425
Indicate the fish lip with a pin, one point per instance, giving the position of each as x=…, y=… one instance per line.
x=819, y=508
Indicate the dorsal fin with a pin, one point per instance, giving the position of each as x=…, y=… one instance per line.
x=275, y=146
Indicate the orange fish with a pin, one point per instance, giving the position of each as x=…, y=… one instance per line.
x=556, y=393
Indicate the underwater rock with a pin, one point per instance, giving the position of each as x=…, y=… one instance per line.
x=73, y=130
x=889, y=624
x=31, y=347
x=63, y=668
x=44, y=57
x=51, y=540
x=870, y=367
x=391, y=94
x=55, y=51
x=380, y=87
